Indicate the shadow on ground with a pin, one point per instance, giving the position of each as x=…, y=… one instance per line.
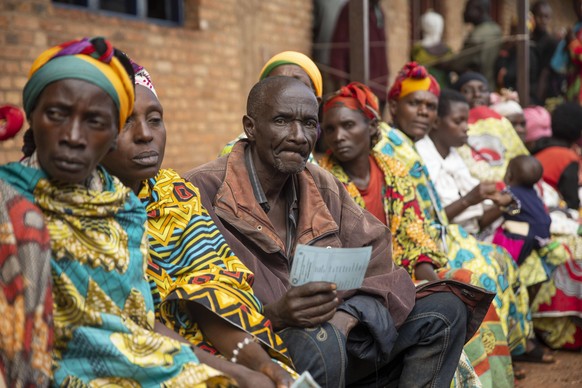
x=565, y=372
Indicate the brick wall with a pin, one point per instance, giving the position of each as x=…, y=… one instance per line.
x=398, y=29
x=202, y=71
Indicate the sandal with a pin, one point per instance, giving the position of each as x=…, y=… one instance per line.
x=537, y=354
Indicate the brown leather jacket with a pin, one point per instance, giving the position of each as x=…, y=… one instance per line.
x=327, y=217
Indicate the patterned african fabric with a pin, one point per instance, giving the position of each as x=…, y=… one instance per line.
x=412, y=243
x=411, y=78
x=26, y=304
x=492, y=264
x=557, y=308
x=228, y=148
x=491, y=145
x=191, y=262
x=103, y=309
x=465, y=375
x=488, y=350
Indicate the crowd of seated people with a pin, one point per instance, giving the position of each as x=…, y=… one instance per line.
x=117, y=271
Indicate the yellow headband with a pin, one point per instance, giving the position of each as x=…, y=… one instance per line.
x=297, y=59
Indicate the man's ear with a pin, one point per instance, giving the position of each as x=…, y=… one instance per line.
x=249, y=127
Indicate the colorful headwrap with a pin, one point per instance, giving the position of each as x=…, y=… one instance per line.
x=538, y=123
x=412, y=78
x=142, y=77
x=355, y=96
x=88, y=59
x=297, y=59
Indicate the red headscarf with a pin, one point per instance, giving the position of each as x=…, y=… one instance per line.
x=355, y=96
x=413, y=77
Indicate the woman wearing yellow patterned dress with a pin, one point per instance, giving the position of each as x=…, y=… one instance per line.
x=201, y=289
x=413, y=105
x=380, y=184
x=76, y=99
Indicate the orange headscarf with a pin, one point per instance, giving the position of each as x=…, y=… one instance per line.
x=355, y=96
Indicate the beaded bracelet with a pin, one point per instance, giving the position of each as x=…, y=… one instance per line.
x=239, y=347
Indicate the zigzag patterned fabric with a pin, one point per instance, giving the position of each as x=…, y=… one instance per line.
x=191, y=262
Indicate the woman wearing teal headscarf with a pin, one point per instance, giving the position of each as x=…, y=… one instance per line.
x=77, y=98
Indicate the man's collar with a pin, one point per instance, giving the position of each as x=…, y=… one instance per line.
x=255, y=182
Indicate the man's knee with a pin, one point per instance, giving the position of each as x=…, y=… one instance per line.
x=443, y=307
x=319, y=350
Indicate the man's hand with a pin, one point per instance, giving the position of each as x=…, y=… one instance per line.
x=308, y=305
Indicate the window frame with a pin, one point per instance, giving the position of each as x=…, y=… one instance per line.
x=141, y=7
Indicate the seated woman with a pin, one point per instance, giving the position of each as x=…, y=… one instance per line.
x=288, y=64
x=538, y=124
x=26, y=303
x=77, y=98
x=560, y=161
x=462, y=196
x=492, y=141
x=556, y=310
x=413, y=104
x=453, y=182
x=201, y=290
x=380, y=184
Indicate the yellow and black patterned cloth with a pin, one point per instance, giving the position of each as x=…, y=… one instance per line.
x=191, y=262
x=412, y=242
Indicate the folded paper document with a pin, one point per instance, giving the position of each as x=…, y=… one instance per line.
x=345, y=267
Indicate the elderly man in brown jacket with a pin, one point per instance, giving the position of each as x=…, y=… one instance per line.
x=265, y=198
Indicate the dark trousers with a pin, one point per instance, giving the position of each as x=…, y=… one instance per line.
x=425, y=354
